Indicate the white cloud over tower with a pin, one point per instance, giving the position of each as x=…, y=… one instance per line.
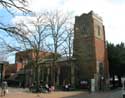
x=111, y=11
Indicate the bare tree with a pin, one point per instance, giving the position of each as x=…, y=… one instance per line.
x=27, y=36
x=58, y=23
x=15, y=4
x=11, y=6
x=2, y=57
x=68, y=45
x=50, y=28
x=67, y=51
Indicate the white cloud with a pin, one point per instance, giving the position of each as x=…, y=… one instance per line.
x=111, y=11
x=38, y=5
x=23, y=19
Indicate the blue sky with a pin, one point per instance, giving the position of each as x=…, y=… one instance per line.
x=5, y=17
x=111, y=11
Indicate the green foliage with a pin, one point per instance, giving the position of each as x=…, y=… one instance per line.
x=116, y=56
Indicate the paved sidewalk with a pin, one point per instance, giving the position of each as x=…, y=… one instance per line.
x=24, y=93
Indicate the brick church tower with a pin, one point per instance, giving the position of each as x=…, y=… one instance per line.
x=90, y=49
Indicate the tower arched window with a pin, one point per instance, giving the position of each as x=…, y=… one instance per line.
x=99, y=31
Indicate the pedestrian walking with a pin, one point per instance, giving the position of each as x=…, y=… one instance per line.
x=4, y=87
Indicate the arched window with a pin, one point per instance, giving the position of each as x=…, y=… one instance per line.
x=99, y=31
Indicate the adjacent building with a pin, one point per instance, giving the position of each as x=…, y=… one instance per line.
x=61, y=72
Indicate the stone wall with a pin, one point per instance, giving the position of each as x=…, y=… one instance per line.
x=84, y=47
x=89, y=46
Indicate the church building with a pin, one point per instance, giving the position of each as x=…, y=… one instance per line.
x=89, y=49
x=89, y=62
